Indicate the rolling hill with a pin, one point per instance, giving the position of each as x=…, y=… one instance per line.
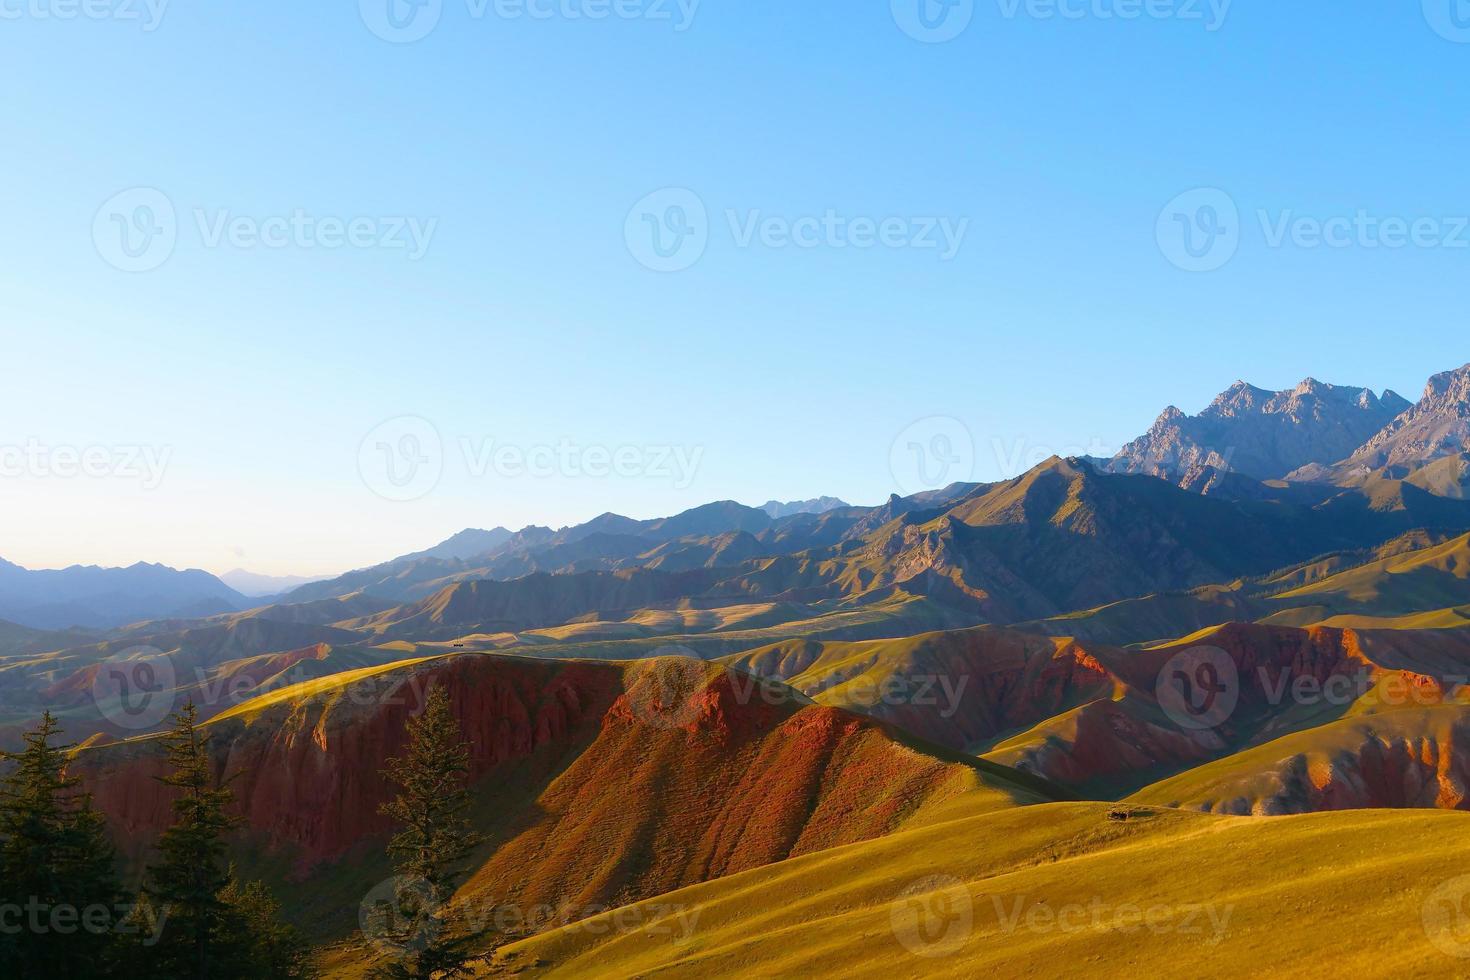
x=1055, y=890
x=1092, y=717
x=596, y=783
x=1419, y=574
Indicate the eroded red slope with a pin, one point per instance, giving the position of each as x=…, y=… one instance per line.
x=596, y=782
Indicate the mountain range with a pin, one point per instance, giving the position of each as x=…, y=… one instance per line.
x=93, y=597
x=1314, y=433
x=795, y=724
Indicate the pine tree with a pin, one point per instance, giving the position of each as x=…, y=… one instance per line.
x=192, y=873
x=263, y=947
x=56, y=865
x=432, y=845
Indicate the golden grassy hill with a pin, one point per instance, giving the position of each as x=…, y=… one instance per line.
x=1060, y=890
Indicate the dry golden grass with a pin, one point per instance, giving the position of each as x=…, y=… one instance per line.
x=1060, y=890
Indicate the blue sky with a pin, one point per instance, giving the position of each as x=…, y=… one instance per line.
x=518, y=146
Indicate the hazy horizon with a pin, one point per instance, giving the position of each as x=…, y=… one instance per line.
x=704, y=229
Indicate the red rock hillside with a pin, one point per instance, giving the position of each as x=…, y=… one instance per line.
x=596, y=782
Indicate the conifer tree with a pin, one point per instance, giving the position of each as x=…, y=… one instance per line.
x=192, y=872
x=432, y=846
x=57, y=879
x=264, y=947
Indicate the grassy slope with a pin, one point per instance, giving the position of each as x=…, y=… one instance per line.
x=842, y=912
x=634, y=792
x=896, y=616
x=1407, y=756
x=1438, y=619
x=1393, y=583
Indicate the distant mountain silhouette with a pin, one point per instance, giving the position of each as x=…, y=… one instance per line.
x=89, y=596
x=253, y=585
x=818, y=505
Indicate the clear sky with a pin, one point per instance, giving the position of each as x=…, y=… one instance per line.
x=814, y=152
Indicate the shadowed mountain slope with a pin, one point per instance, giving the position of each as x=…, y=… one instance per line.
x=1420, y=573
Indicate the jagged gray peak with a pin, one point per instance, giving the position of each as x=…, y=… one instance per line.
x=1259, y=433
x=1438, y=426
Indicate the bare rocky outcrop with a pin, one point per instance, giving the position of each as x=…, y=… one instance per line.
x=1432, y=430
x=1261, y=434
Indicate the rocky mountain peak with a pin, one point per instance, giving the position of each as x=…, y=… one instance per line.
x=1449, y=388
x=1168, y=415
x=1438, y=426
x=1259, y=433
x=1238, y=398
